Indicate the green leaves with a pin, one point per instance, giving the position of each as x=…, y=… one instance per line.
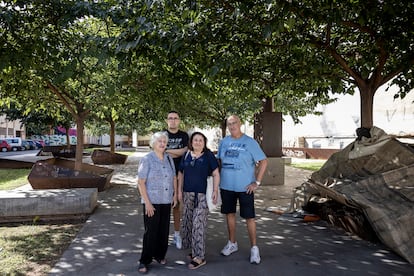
x=120, y=59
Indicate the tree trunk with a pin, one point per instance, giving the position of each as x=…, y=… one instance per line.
x=367, y=102
x=79, y=114
x=112, y=136
x=80, y=125
x=267, y=106
x=223, y=128
x=68, y=145
x=50, y=133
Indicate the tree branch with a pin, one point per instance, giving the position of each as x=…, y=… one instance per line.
x=58, y=93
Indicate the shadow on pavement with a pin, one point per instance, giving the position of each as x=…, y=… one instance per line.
x=110, y=241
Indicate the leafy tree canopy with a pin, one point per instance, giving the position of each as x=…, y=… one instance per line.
x=304, y=48
x=205, y=58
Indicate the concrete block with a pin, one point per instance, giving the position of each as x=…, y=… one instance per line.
x=275, y=173
x=51, y=202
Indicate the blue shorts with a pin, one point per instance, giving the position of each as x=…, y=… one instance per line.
x=229, y=203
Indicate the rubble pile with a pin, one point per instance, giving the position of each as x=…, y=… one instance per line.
x=368, y=189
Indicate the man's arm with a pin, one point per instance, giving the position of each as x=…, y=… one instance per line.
x=176, y=152
x=261, y=169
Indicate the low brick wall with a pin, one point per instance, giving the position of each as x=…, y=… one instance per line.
x=308, y=153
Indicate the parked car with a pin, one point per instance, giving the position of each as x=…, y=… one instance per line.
x=39, y=143
x=29, y=144
x=15, y=143
x=25, y=145
x=4, y=146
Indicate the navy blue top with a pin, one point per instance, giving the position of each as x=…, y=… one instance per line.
x=197, y=170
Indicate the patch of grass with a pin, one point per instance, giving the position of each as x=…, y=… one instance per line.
x=34, y=249
x=311, y=166
x=31, y=249
x=13, y=178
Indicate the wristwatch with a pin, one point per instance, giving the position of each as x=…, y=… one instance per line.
x=258, y=182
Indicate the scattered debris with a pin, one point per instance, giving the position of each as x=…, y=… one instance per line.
x=277, y=211
x=367, y=189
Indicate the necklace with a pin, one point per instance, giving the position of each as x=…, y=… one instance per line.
x=195, y=155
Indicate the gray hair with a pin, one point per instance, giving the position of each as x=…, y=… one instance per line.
x=156, y=136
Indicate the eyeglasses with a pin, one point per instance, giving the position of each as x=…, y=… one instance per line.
x=232, y=123
x=173, y=119
x=192, y=163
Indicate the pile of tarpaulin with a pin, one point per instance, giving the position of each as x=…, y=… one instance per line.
x=368, y=189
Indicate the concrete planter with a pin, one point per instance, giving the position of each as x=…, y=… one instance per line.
x=104, y=157
x=58, y=173
x=47, y=205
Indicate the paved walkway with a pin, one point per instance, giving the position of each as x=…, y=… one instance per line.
x=110, y=241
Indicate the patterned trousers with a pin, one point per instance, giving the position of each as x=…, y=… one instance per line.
x=194, y=223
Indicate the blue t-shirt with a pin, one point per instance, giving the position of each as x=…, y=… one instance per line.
x=197, y=170
x=238, y=162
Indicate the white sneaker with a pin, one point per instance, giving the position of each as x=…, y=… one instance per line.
x=178, y=241
x=254, y=255
x=229, y=248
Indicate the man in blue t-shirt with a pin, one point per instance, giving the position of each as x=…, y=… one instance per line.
x=243, y=164
x=176, y=147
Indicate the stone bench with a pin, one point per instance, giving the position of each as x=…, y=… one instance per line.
x=48, y=204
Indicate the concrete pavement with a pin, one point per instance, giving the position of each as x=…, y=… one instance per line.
x=110, y=241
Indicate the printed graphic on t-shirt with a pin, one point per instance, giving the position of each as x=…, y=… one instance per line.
x=232, y=154
x=175, y=143
x=233, y=151
x=238, y=146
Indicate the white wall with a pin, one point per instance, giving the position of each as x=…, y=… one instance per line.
x=342, y=118
x=336, y=127
x=106, y=139
x=394, y=116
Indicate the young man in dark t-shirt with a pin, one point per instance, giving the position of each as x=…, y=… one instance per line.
x=176, y=148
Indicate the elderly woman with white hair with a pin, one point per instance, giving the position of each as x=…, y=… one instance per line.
x=157, y=185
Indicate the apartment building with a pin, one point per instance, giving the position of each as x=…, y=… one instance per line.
x=11, y=128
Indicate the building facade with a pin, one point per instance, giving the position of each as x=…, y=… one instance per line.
x=11, y=128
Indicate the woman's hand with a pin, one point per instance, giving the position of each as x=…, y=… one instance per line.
x=175, y=201
x=180, y=196
x=149, y=209
x=214, y=197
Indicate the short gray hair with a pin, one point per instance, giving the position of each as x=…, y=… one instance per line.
x=156, y=136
